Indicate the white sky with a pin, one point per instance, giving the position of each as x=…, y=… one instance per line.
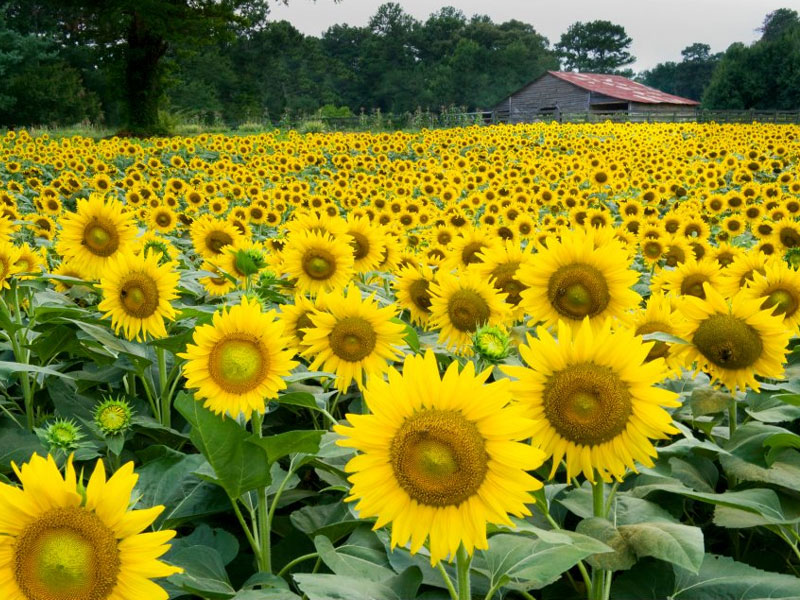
x=660, y=28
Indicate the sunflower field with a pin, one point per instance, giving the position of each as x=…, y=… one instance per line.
x=510, y=362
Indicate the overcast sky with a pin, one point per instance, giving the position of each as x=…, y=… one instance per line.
x=660, y=28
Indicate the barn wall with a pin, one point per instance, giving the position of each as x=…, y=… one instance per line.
x=681, y=109
x=545, y=92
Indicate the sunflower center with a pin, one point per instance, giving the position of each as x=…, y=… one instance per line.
x=587, y=404
x=789, y=237
x=504, y=281
x=319, y=264
x=693, y=285
x=467, y=310
x=100, y=237
x=578, y=290
x=439, y=457
x=728, y=342
x=66, y=554
x=216, y=240
x=659, y=349
x=784, y=301
x=652, y=249
x=163, y=219
x=139, y=295
x=360, y=244
x=469, y=255
x=303, y=322
x=352, y=339
x=420, y=294
x=238, y=363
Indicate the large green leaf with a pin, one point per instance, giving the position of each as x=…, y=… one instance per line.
x=672, y=542
x=722, y=578
x=237, y=465
x=16, y=445
x=532, y=563
x=204, y=572
x=350, y=564
x=341, y=587
x=290, y=442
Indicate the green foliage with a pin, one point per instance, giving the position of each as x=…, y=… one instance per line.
x=595, y=47
x=688, y=78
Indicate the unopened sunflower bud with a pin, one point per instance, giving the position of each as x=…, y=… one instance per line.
x=113, y=416
x=492, y=343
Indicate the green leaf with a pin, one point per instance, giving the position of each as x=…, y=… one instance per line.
x=672, y=542
x=239, y=467
x=17, y=445
x=532, y=563
x=348, y=565
x=204, y=572
x=334, y=521
x=747, y=460
x=171, y=481
x=340, y=587
x=290, y=442
x=627, y=509
x=708, y=401
x=722, y=578
x=15, y=367
x=621, y=557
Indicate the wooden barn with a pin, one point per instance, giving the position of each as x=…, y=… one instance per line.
x=558, y=93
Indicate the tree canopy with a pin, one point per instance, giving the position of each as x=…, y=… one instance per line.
x=595, y=47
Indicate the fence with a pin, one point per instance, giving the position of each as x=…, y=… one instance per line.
x=685, y=116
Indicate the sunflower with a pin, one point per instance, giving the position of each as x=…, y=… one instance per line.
x=94, y=233
x=739, y=274
x=162, y=219
x=592, y=394
x=366, y=242
x=462, y=302
x=211, y=235
x=66, y=269
x=136, y=294
x=61, y=541
x=500, y=265
x=296, y=318
x=238, y=361
x=217, y=284
x=779, y=288
x=466, y=249
x=658, y=316
x=9, y=258
x=441, y=456
x=353, y=337
x=577, y=277
x=318, y=262
x=733, y=341
x=688, y=278
x=150, y=241
x=412, y=288
x=31, y=261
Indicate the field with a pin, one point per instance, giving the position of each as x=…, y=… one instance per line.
x=541, y=361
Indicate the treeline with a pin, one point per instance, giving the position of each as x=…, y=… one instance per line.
x=128, y=64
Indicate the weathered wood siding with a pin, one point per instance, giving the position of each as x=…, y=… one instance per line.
x=681, y=109
x=546, y=92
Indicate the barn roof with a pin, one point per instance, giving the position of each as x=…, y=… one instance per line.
x=620, y=87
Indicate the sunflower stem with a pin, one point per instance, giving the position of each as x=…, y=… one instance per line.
x=296, y=562
x=463, y=561
x=265, y=549
x=599, y=576
x=166, y=409
x=247, y=532
x=21, y=355
x=447, y=581
x=732, y=416
x=587, y=582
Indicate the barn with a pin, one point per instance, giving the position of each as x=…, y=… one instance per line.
x=558, y=93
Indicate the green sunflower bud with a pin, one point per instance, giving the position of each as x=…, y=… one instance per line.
x=62, y=434
x=492, y=343
x=113, y=416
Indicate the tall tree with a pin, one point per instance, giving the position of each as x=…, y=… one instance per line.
x=778, y=22
x=595, y=47
x=688, y=78
x=144, y=31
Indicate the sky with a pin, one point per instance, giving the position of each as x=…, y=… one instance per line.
x=660, y=28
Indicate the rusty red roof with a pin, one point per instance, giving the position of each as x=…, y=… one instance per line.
x=620, y=87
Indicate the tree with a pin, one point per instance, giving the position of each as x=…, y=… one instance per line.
x=595, y=47
x=778, y=22
x=143, y=32
x=688, y=78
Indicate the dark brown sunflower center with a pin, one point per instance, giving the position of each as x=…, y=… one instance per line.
x=587, y=404
x=216, y=240
x=439, y=457
x=467, y=310
x=577, y=291
x=784, y=301
x=66, y=554
x=100, y=237
x=319, y=264
x=659, y=349
x=692, y=285
x=352, y=339
x=653, y=249
x=674, y=256
x=504, y=281
x=163, y=219
x=360, y=244
x=303, y=322
x=420, y=294
x=139, y=295
x=789, y=237
x=728, y=342
x=469, y=254
x=238, y=363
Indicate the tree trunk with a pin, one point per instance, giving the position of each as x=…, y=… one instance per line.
x=143, y=77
